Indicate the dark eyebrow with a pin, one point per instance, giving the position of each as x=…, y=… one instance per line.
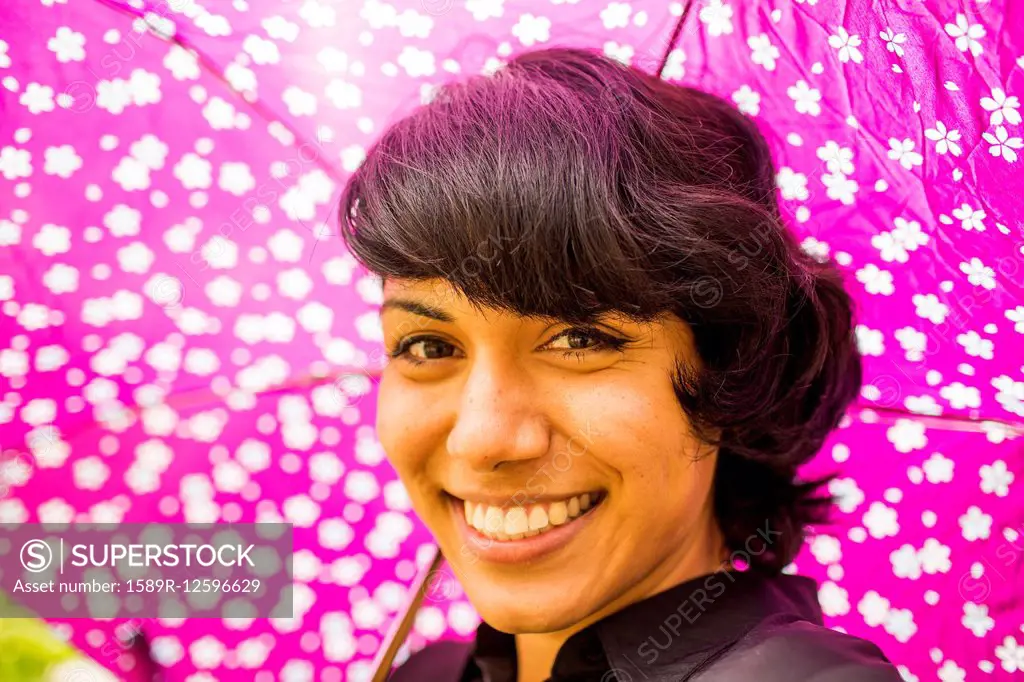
x=417, y=308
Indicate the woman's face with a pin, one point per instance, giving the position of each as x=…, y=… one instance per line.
x=552, y=463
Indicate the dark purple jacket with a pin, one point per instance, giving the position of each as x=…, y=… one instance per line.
x=722, y=627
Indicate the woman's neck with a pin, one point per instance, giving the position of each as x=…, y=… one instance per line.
x=535, y=655
x=536, y=652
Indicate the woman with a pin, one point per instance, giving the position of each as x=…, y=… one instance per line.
x=608, y=359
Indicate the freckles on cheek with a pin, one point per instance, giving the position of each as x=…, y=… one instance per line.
x=651, y=445
x=616, y=428
x=405, y=426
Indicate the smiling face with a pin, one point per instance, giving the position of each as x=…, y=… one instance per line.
x=552, y=462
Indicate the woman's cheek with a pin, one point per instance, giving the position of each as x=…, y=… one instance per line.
x=403, y=420
x=620, y=421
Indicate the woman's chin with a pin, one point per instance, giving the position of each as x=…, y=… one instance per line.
x=509, y=610
x=516, y=621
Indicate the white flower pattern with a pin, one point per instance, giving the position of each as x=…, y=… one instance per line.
x=1002, y=144
x=762, y=52
x=903, y=152
x=717, y=16
x=1003, y=108
x=970, y=218
x=946, y=141
x=893, y=41
x=806, y=99
x=966, y=35
x=915, y=206
x=847, y=46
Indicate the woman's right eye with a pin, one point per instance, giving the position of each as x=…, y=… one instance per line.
x=418, y=350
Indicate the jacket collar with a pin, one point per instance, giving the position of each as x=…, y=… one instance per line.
x=684, y=627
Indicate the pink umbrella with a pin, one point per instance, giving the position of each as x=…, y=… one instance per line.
x=203, y=172
x=896, y=135
x=178, y=333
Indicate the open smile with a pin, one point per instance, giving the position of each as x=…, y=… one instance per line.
x=523, y=533
x=527, y=521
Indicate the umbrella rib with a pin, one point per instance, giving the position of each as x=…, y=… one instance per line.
x=203, y=396
x=945, y=422
x=676, y=32
x=256, y=105
x=214, y=69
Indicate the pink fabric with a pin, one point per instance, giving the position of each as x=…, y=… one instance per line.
x=167, y=257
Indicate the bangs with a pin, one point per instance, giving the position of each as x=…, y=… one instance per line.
x=511, y=192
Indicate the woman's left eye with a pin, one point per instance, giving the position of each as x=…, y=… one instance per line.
x=426, y=344
x=588, y=339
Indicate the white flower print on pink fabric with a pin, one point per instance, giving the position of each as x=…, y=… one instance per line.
x=966, y=34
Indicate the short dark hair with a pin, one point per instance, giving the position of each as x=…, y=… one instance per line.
x=567, y=184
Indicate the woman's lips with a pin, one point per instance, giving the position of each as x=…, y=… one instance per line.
x=530, y=547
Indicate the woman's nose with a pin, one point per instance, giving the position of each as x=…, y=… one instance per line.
x=499, y=419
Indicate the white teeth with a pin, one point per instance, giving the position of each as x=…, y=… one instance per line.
x=519, y=522
x=494, y=522
x=558, y=513
x=515, y=521
x=538, y=518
